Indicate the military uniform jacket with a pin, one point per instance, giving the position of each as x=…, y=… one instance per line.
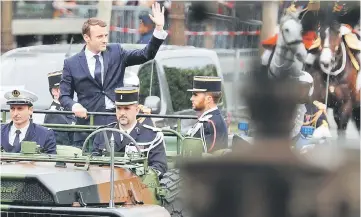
x=44, y=137
x=62, y=138
x=204, y=129
x=141, y=134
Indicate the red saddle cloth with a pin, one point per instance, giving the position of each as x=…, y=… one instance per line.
x=307, y=38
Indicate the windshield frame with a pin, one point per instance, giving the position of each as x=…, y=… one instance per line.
x=213, y=59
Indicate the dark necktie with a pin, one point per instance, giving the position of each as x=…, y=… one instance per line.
x=16, y=144
x=98, y=70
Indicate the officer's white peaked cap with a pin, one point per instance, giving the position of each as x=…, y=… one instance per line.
x=20, y=97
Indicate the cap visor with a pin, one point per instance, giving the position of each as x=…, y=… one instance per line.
x=197, y=90
x=19, y=103
x=126, y=103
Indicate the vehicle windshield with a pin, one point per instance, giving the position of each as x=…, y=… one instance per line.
x=179, y=74
x=29, y=71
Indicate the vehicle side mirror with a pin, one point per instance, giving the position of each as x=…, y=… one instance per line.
x=153, y=102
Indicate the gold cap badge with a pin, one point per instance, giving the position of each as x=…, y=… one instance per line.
x=16, y=93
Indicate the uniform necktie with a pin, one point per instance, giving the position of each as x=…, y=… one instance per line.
x=98, y=70
x=16, y=144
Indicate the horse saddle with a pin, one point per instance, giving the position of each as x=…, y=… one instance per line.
x=270, y=42
x=353, y=45
x=315, y=44
x=352, y=41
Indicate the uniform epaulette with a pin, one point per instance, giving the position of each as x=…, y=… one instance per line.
x=319, y=105
x=108, y=125
x=155, y=129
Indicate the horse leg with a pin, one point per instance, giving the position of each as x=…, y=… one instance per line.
x=356, y=117
x=342, y=115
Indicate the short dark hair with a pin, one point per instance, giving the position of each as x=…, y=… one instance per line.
x=216, y=96
x=92, y=22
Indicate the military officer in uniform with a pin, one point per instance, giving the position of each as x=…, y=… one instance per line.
x=62, y=138
x=21, y=128
x=149, y=139
x=308, y=113
x=133, y=81
x=211, y=126
x=310, y=19
x=347, y=13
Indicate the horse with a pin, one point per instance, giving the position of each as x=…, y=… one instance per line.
x=334, y=71
x=290, y=52
x=286, y=60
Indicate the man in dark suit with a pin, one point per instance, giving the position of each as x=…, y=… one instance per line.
x=21, y=128
x=98, y=69
x=211, y=126
x=62, y=138
x=149, y=140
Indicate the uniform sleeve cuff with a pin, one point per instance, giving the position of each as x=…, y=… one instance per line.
x=156, y=171
x=160, y=34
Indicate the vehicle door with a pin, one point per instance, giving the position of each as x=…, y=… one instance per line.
x=150, y=87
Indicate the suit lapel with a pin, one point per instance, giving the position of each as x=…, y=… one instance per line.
x=5, y=138
x=30, y=133
x=106, y=57
x=84, y=65
x=135, y=132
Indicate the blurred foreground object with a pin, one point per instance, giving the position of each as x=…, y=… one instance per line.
x=7, y=39
x=264, y=184
x=199, y=11
x=269, y=178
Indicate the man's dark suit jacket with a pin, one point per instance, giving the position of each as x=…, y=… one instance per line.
x=62, y=138
x=77, y=78
x=44, y=137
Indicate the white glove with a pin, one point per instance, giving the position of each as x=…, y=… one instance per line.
x=321, y=132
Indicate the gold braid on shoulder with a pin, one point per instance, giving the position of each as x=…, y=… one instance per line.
x=143, y=110
x=317, y=115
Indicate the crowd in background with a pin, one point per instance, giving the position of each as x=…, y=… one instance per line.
x=59, y=9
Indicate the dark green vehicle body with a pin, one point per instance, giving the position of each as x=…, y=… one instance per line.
x=75, y=183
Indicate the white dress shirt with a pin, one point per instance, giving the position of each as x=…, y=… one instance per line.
x=109, y=104
x=128, y=131
x=12, y=133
